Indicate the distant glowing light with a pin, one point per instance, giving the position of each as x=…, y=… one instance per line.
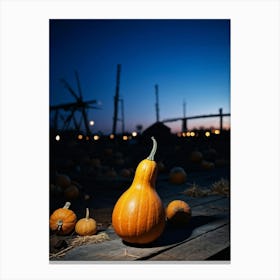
x=57, y=137
x=217, y=131
x=207, y=133
x=87, y=137
x=112, y=136
x=192, y=134
x=134, y=133
x=125, y=138
x=91, y=123
x=179, y=134
x=96, y=137
x=80, y=136
x=184, y=134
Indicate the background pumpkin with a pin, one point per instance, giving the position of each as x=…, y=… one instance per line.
x=125, y=172
x=71, y=192
x=62, y=180
x=139, y=216
x=178, y=213
x=207, y=165
x=63, y=220
x=111, y=173
x=161, y=166
x=177, y=175
x=95, y=162
x=86, y=226
x=196, y=156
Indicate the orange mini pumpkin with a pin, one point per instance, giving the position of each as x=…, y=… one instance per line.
x=139, y=216
x=63, y=220
x=86, y=226
x=178, y=213
x=177, y=175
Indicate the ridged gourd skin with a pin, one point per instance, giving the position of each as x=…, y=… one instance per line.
x=63, y=220
x=139, y=215
x=86, y=226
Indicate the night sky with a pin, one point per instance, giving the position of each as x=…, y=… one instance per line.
x=188, y=59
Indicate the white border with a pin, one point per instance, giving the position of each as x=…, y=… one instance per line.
x=254, y=123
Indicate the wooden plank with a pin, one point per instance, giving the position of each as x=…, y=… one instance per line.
x=206, y=218
x=117, y=250
x=200, y=248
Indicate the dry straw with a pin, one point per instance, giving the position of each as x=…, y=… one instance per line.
x=220, y=187
x=79, y=241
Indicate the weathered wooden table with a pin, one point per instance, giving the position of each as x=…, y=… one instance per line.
x=205, y=237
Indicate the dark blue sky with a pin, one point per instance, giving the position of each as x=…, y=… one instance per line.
x=188, y=59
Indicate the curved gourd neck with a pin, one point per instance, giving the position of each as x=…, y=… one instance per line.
x=146, y=172
x=154, y=149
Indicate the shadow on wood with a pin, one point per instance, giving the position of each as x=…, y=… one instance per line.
x=173, y=235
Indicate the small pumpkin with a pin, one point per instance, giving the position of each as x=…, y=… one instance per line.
x=139, y=215
x=207, y=165
x=196, y=156
x=119, y=161
x=63, y=220
x=111, y=173
x=118, y=155
x=62, y=180
x=95, y=162
x=161, y=166
x=178, y=213
x=177, y=175
x=86, y=226
x=71, y=192
x=210, y=154
x=125, y=172
x=108, y=151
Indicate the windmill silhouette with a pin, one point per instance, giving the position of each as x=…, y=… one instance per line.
x=73, y=109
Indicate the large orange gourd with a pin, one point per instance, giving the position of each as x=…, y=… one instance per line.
x=139, y=216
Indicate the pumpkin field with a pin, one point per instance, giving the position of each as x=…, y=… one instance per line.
x=136, y=194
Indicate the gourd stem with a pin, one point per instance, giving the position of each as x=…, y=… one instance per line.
x=154, y=149
x=67, y=205
x=87, y=213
